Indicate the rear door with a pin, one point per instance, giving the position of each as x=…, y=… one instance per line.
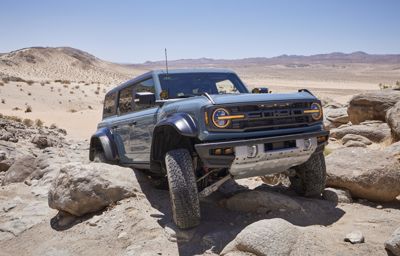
x=122, y=126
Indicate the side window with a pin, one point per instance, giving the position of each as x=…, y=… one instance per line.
x=125, y=100
x=109, y=105
x=143, y=88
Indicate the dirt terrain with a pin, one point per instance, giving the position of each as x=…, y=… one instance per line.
x=65, y=87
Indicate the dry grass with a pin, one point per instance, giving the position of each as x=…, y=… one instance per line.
x=27, y=122
x=3, y=101
x=39, y=123
x=28, y=109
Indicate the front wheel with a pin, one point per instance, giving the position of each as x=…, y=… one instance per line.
x=310, y=176
x=182, y=188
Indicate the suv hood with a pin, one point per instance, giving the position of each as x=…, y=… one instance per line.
x=263, y=97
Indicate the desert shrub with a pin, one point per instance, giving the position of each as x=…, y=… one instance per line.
x=90, y=107
x=3, y=101
x=16, y=108
x=20, y=89
x=38, y=123
x=42, y=83
x=85, y=95
x=72, y=110
x=30, y=82
x=14, y=118
x=1, y=84
x=60, y=94
x=60, y=102
x=65, y=85
x=71, y=92
x=53, y=126
x=27, y=122
x=96, y=92
x=86, y=83
x=29, y=93
x=47, y=82
x=76, y=86
x=28, y=109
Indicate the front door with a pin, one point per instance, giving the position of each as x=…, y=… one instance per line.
x=142, y=131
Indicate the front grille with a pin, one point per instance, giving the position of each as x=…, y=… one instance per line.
x=270, y=116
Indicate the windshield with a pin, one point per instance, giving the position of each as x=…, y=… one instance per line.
x=192, y=84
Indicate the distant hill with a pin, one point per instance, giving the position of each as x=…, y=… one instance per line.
x=48, y=63
x=330, y=58
x=51, y=63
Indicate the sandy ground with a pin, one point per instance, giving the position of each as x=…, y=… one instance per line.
x=77, y=107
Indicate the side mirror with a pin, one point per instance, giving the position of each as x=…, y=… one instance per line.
x=145, y=98
x=260, y=90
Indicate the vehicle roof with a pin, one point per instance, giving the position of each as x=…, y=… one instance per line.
x=170, y=71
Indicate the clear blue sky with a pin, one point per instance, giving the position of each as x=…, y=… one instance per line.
x=136, y=31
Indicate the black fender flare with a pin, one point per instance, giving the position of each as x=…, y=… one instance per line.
x=182, y=123
x=104, y=138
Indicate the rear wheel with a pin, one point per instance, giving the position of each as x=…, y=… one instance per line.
x=182, y=188
x=310, y=176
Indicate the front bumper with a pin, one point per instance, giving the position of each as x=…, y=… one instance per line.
x=265, y=161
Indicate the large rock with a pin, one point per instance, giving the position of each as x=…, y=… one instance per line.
x=335, y=117
x=265, y=237
x=79, y=189
x=374, y=131
x=337, y=195
x=393, y=243
x=394, y=149
x=371, y=105
x=20, y=170
x=256, y=201
x=366, y=173
x=354, y=137
x=43, y=141
x=393, y=120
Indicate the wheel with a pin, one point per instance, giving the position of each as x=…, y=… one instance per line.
x=182, y=188
x=99, y=157
x=310, y=176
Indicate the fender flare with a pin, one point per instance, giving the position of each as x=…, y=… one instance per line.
x=105, y=138
x=183, y=123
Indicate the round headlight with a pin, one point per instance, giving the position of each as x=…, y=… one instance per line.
x=318, y=111
x=219, y=122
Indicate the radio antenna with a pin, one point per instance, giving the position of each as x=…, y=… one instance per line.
x=166, y=60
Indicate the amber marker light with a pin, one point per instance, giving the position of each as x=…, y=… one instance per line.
x=230, y=117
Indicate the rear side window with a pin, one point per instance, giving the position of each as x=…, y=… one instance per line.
x=109, y=105
x=125, y=100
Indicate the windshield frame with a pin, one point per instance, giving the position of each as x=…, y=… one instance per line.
x=232, y=77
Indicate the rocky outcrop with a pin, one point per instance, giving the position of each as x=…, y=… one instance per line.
x=354, y=137
x=393, y=120
x=372, y=105
x=80, y=189
x=374, y=131
x=20, y=170
x=265, y=237
x=335, y=117
x=366, y=173
x=393, y=243
x=261, y=201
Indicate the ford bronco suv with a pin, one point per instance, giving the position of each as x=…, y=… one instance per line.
x=197, y=128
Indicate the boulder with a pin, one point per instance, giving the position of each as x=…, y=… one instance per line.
x=366, y=173
x=371, y=105
x=265, y=237
x=354, y=144
x=335, y=117
x=20, y=170
x=394, y=149
x=256, y=201
x=355, y=137
x=376, y=132
x=43, y=141
x=393, y=120
x=355, y=237
x=80, y=189
x=337, y=195
x=393, y=243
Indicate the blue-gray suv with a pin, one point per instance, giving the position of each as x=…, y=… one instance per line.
x=197, y=128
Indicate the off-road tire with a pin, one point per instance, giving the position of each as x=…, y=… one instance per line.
x=100, y=157
x=310, y=176
x=182, y=188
